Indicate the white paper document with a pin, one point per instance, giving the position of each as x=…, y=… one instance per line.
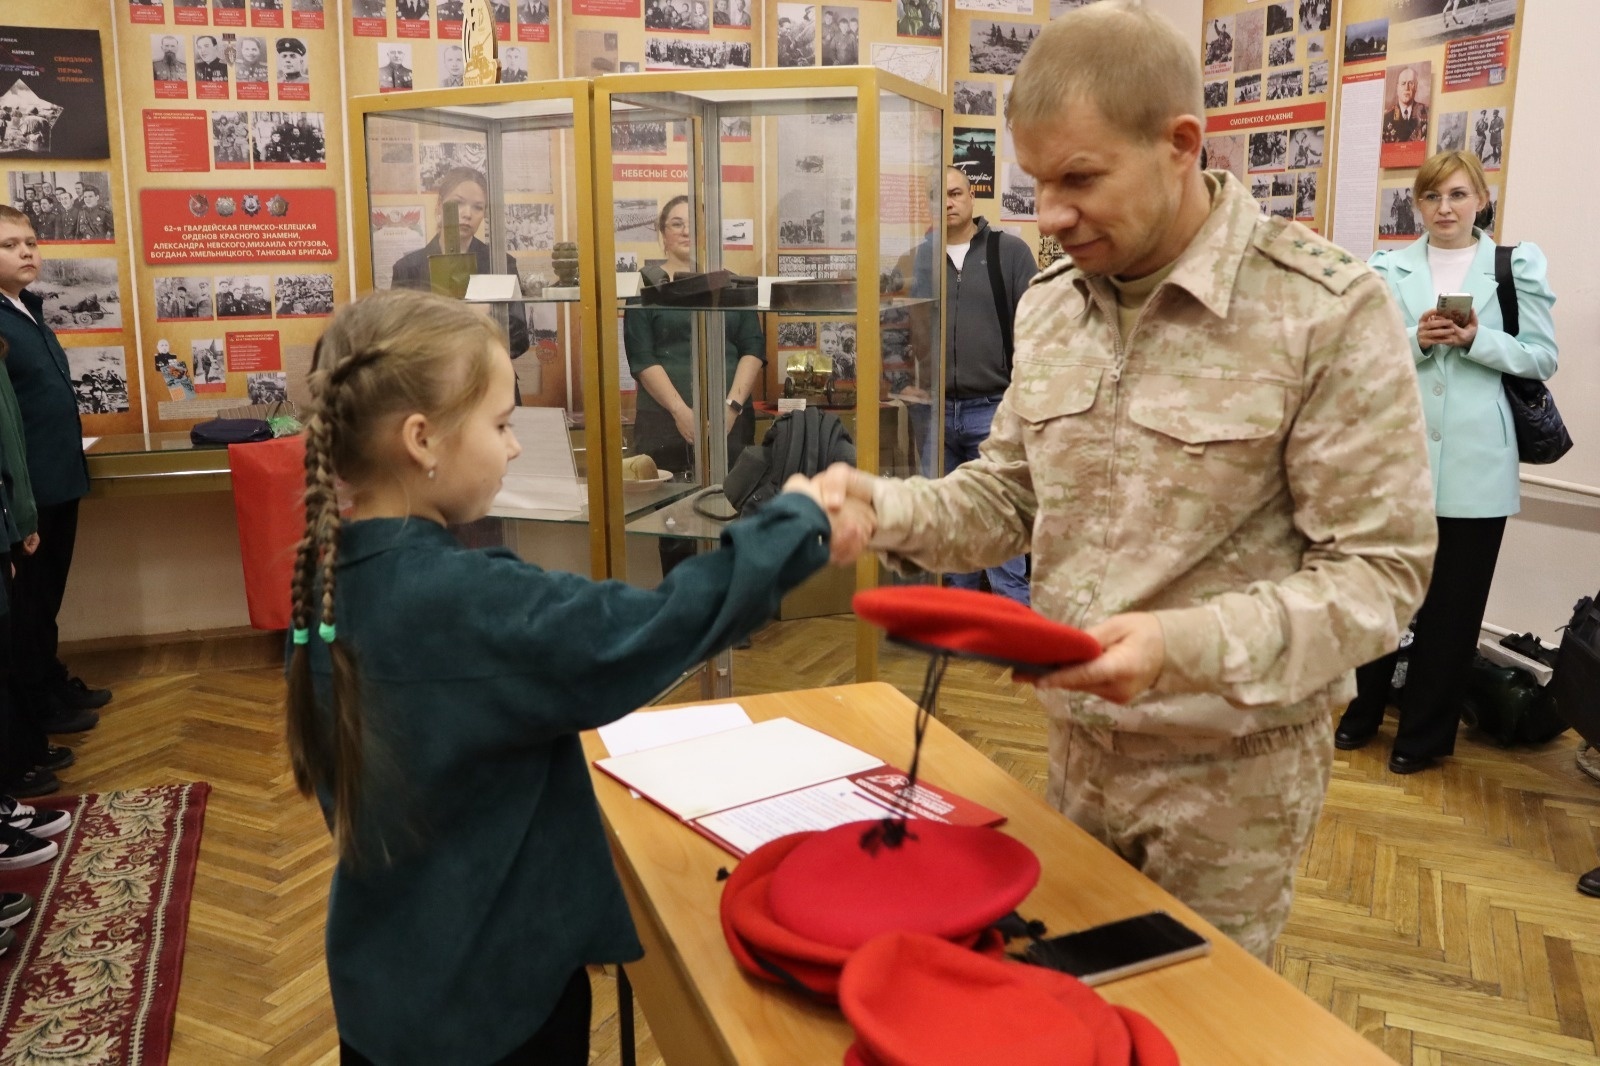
x=643, y=730
x=485, y=288
x=693, y=778
x=542, y=482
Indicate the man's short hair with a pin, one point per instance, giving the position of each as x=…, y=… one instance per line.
x=1128, y=61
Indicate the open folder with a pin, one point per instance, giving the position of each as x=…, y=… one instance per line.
x=743, y=787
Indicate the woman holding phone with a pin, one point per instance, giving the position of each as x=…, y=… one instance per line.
x=1445, y=285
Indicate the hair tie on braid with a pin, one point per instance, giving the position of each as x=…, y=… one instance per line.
x=300, y=635
x=327, y=632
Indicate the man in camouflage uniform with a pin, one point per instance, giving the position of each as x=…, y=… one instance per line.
x=1213, y=445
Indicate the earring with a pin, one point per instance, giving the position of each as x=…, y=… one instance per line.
x=432, y=470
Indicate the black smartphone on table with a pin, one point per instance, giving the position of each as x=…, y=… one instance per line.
x=1119, y=949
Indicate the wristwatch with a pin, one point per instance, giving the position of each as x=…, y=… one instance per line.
x=738, y=408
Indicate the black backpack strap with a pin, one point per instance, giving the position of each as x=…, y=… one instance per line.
x=791, y=451
x=1002, y=301
x=1506, y=289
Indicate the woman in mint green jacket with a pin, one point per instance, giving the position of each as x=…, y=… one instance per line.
x=1471, y=444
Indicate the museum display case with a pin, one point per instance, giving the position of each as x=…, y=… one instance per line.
x=818, y=186
x=808, y=193
x=484, y=194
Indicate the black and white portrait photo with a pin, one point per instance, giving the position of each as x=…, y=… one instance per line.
x=167, y=62
x=303, y=295
x=243, y=296
x=394, y=66
x=1452, y=127
x=183, y=297
x=99, y=379
x=209, y=361
x=267, y=386
x=975, y=98
x=841, y=36
x=1269, y=150
x=292, y=138
x=230, y=138
x=80, y=295
x=1488, y=136
x=65, y=206
x=513, y=64
x=1398, y=217
x=998, y=47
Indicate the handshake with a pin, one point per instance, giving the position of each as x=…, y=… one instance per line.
x=845, y=493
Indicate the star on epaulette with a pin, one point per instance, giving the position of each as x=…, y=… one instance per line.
x=1316, y=251
x=1345, y=260
x=1328, y=272
x=1299, y=244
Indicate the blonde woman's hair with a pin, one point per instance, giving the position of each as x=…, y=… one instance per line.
x=387, y=355
x=1438, y=168
x=1129, y=62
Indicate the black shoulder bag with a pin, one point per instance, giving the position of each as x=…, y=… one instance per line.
x=1541, y=435
x=1002, y=302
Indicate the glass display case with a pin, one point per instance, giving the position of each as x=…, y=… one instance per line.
x=761, y=249
x=486, y=194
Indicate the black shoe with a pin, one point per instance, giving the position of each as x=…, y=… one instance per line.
x=7, y=938
x=57, y=757
x=73, y=694
x=19, y=850
x=1410, y=764
x=1589, y=883
x=39, y=823
x=69, y=720
x=32, y=784
x=14, y=906
x=1345, y=740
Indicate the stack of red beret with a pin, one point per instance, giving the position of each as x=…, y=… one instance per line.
x=916, y=1000
x=797, y=908
x=974, y=625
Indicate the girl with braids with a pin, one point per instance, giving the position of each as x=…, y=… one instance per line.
x=436, y=694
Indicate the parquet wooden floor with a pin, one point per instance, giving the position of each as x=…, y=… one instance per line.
x=1436, y=913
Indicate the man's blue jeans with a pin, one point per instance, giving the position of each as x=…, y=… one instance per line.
x=966, y=425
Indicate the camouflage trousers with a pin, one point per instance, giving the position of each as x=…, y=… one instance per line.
x=1219, y=823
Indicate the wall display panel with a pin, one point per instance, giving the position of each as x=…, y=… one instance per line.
x=1267, y=69
x=1418, y=77
x=61, y=162
x=394, y=46
x=239, y=247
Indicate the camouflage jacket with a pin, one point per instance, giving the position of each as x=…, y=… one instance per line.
x=1249, y=464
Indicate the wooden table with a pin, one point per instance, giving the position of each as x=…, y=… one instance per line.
x=1226, y=1009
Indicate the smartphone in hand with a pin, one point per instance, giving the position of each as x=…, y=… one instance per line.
x=1456, y=306
x=1119, y=949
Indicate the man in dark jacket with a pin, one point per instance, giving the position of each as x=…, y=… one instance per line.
x=977, y=356
x=53, y=437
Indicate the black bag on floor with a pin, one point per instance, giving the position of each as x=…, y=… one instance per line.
x=1509, y=705
x=1576, y=681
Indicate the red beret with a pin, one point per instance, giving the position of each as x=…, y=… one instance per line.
x=918, y=1001
x=766, y=949
x=832, y=889
x=974, y=625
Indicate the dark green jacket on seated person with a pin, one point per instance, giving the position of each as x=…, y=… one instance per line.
x=43, y=382
x=488, y=880
x=663, y=336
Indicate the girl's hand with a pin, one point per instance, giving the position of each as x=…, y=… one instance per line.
x=853, y=521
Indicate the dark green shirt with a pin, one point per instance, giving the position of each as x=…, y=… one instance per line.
x=662, y=336
x=478, y=672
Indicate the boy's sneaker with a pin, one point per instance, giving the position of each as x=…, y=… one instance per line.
x=31, y=819
x=14, y=906
x=7, y=938
x=19, y=850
